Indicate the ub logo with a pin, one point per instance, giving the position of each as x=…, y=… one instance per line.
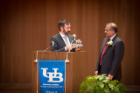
x=52, y=75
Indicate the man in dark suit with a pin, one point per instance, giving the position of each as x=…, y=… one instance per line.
x=111, y=54
x=62, y=40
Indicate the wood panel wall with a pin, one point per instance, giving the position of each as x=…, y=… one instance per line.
x=28, y=25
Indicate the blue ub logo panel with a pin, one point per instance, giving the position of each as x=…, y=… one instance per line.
x=51, y=76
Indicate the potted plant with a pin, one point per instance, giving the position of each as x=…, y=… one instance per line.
x=101, y=84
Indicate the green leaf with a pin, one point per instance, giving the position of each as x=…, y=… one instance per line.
x=116, y=89
x=111, y=86
x=88, y=77
x=106, y=78
x=101, y=78
x=115, y=82
x=96, y=77
x=91, y=92
x=107, y=91
x=101, y=84
x=99, y=91
x=105, y=81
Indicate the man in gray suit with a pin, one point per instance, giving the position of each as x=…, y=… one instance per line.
x=62, y=40
x=111, y=54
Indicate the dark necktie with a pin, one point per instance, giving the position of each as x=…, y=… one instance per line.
x=103, y=52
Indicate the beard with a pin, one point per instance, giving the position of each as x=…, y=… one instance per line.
x=66, y=33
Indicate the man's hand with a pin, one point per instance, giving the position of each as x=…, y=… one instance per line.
x=96, y=73
x=110, y=76
x=69, y=47
x=78, y=48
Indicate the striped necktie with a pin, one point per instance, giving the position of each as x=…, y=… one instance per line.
x=66, y=40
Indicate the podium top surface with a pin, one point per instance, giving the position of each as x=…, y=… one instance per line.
x=48, y=55
x=58, y=52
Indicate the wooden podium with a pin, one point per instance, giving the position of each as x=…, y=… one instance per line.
x=76, y=68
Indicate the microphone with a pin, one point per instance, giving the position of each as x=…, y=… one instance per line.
x=73, y=41
x=74, y=37
x=52, y=44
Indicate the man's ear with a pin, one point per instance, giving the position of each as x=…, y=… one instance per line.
x=61, y=28
x=113, y=31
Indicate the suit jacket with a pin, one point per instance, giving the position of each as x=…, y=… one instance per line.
x=59, y=44
x=112, y=57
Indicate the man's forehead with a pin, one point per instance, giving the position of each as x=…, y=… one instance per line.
x=107, y=26
x=67, y=24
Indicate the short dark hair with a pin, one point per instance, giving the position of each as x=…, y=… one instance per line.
x=62, y=22
x=113, y=26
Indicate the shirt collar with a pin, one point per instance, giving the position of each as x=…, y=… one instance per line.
x=62, y=35
x=112, y=37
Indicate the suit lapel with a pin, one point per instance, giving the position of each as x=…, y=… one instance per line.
x=70, y=39
x=106, y=49
x=115, y=38
x=109, y=46
x=104, y=42
x=61, y=40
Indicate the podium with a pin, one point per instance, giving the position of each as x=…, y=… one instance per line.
x=76, y=68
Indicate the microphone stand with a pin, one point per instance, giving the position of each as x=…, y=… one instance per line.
x=52, y=44
x=68, y=52
x=47, y=48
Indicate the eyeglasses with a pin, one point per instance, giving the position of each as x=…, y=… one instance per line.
x=107, y=30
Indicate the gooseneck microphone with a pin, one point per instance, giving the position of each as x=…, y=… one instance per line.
x=52, y=44
x=73, y=41
x=74, y=38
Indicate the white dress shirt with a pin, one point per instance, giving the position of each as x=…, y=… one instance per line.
x=112, y=37
x=63, y=36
